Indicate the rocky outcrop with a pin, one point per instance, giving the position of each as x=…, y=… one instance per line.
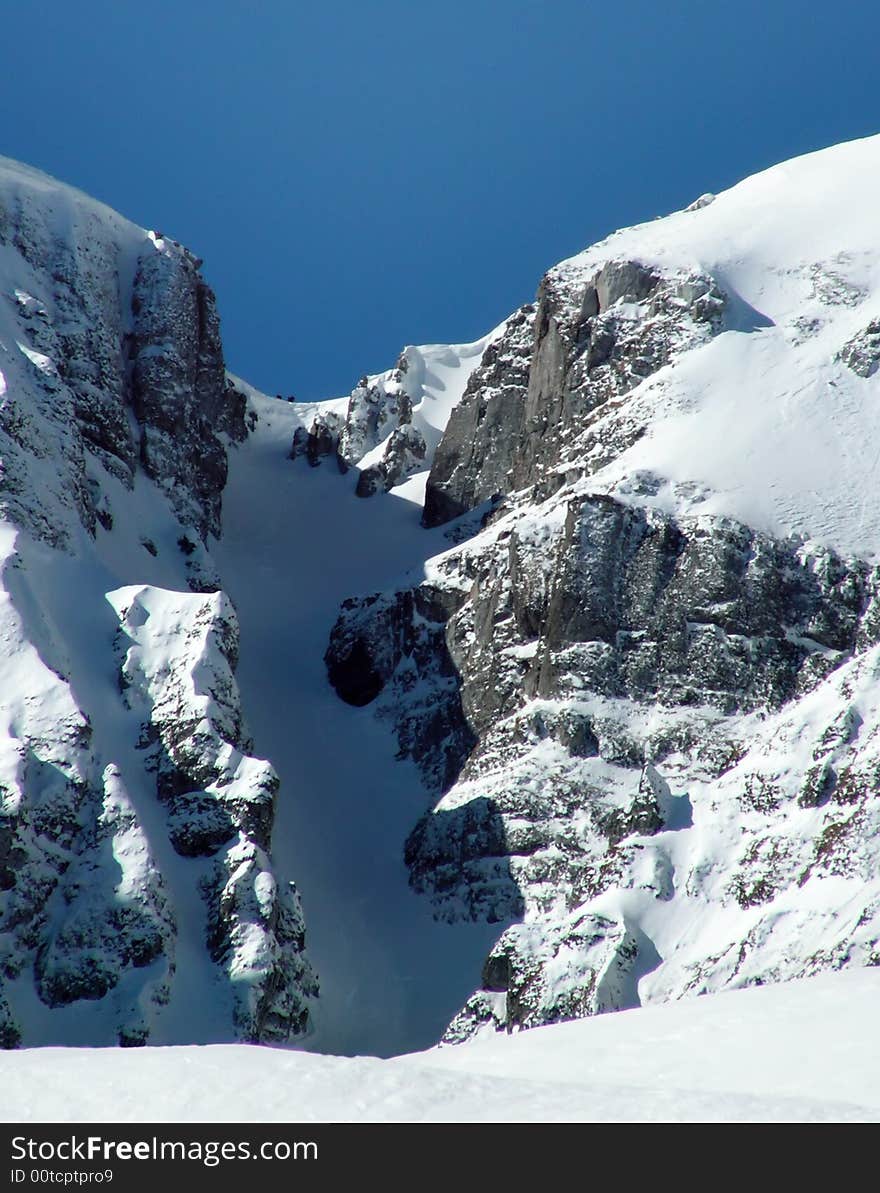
x=474, y=459
x=379, y=648
x=404, y=454
x=392, y=423
x=530, y=417
x=584, y=965
x=179, y=393
x=177, y=674
x=377, y=406
x=377, y=433
x=318, y=441
x=862, y=352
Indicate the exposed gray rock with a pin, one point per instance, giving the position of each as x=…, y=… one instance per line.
x=178, y=384
x=320, y=441
x=862, y=352
x=403, y=454
x=10, y=1036
x=475, y=457
x=199, y=824
x=634, y=604
x=376, y=407
x=379, y=648
x=531, y=415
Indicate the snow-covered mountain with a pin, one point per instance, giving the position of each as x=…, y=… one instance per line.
x=137, y=899
x=603, y=645
x=646, y=691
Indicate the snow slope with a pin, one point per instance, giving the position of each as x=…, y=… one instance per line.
x=804, y=1052
x=296, y=543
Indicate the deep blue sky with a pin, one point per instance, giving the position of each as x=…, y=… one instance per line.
x=361, y=175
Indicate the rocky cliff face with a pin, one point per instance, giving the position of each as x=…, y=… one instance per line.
x=649, y=719
x=376, y=432
x=119, y=353
x=528, y=416
x=137, y=897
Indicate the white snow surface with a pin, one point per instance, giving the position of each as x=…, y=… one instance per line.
x=807, y=1051
x=297, y=543
x=436, y=378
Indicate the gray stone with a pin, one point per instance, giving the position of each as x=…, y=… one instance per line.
x=862, y=352
x=320, y=441
x=403, y=454
x=474, y=459
x=375, y=409
x=528, y=415
x=179, y=390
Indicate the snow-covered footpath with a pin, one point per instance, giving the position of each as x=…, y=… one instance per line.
x=803, y=1052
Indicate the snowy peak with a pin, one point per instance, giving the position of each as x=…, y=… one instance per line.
x=766, y=414
x=770, y=422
